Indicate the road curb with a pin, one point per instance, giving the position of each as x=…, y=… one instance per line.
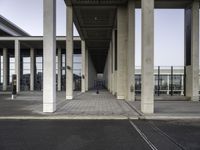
x=160, y=117
x=65, y=118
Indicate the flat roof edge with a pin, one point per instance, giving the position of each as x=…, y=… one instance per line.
x=13, y=26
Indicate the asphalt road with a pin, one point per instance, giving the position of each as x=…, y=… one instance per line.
x=98, y=135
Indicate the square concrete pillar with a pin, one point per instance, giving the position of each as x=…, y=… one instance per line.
x=49, y=56
x=113, y=63
x=131, y=52
x=192, y=51
x=108, y=60
x=32, y=69
x=5, y=69
x=17, y=64
x=69, y=54
x=147, y=97
x=83, y=86
x=111, y=70
x=59, y=68
x=86, y=69
x=122, y=38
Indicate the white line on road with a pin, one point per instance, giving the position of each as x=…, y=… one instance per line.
x=143, y=136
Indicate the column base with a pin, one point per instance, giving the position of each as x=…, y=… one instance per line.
x=69, y=97
x=50, y=107
x=147, y=108
x=120, y=97
x=13, y=97
x=194, y=98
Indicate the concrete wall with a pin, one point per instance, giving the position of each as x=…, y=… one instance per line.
x=92, y=74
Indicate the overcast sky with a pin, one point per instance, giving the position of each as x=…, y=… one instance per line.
x=169, y=28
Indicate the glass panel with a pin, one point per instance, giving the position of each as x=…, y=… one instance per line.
x=25, y=77
x=39, y=73
x=137, y=84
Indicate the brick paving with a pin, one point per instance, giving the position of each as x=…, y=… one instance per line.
x=91, y=103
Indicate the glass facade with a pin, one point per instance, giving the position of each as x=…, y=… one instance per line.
x=163, y=84
x=77, y=71
x=166, y=85
x=138, y=84
x=39, y=73
x=177, y=84
x=38, y=81
x=25, y=74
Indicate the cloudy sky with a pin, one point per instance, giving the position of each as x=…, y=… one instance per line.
x=169, y=27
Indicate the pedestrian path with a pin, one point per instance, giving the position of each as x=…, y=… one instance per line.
x=87, y=105
x=102, y=104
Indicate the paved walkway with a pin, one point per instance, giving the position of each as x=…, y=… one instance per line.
x=94, y=106
x=88, y=105
x=102, y=104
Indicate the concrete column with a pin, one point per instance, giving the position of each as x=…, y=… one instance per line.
x=86, y=69
x=122, y=37
x=69, y=52
x=168, y=84
x=192, y=51
x=49, y=54
x=131, y=52
x=111, y=70
x=113, y=63
x=83, y=86
x=182, y=85
x=17, y=64
x=108, y=60
x=5, y=69
x=59, y=68
x=32, y=66
x=147, y=97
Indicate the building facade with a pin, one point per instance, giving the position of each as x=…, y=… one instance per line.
x=107, y=45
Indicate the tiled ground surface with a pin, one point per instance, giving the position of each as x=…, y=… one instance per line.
x=90, y=103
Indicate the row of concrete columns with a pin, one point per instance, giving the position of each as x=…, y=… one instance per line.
x=121, y=71
x=17, y=69
x=49, y=60
x=32, y=68
x=121, y=62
